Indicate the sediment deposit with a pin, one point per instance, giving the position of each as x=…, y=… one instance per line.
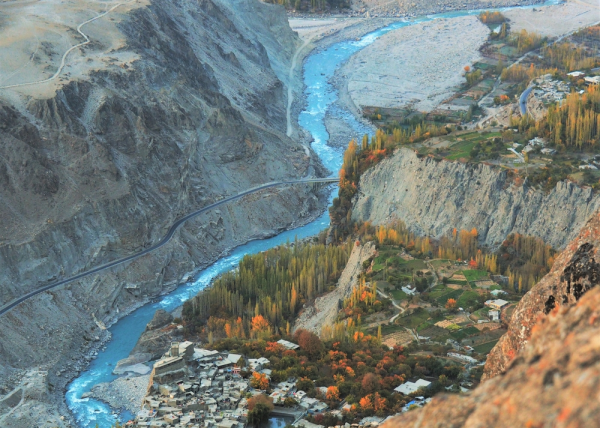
x=418, y=66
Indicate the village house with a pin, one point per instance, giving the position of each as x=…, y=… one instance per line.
x=257, y=364
x=462, y=358
x=288, y=345
x=408, y=388
x=496, y=304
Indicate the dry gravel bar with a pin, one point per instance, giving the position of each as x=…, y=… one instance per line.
x=419, y=65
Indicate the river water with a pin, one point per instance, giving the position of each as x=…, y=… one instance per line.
x=319, y=67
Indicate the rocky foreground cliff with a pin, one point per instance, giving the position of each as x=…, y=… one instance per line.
x=545, y=372
x=433, y=197
x=187, y=105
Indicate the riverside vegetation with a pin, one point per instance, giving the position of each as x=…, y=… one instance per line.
x=267, y=290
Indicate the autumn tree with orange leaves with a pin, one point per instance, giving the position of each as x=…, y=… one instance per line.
x=260, y=327
x=259, y=381
x=260, y=399
x=451, y=305
x=333, y=393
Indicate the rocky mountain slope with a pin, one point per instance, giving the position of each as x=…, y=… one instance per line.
x=434, y=197
x=189, y=107
x=574, y=272
x=547, y=368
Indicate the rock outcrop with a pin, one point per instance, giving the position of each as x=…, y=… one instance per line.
x=160, y=319
x=157, y=337
x=434, y=197
x=547, y=366
x=574, y=272
x=325, y=309
x=101, y=169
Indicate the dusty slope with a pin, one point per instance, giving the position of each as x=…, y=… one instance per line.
x=556, y=20
x=434, y=197
x=424, y=7
x=325, y=309
x=100, y=162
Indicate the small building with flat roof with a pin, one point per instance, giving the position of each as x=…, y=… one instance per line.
x=408, y=388
x=496, y=304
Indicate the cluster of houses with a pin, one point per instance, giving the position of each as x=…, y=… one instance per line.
x=193, y=387
x=531, y=146
x=549, y=90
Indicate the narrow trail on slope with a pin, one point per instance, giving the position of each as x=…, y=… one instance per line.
x=290, y=91
x=396, y=305
x=72, y=48
x=8, y=306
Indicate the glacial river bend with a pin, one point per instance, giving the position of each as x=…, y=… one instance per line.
x=318, y=68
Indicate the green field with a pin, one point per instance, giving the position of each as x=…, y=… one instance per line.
x=438, y=291
x=416, y=264
x=419, y=317
x=452, y=294
x=482, y=313
x=461, y=150
x=457, y=282
x=485, y=348
x=468, y=298
x=439, y=263
x=475, y=275
x=464, y=333
x=399, y=295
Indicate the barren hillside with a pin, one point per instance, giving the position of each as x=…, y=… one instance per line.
x=170, y=107
x=434, y=197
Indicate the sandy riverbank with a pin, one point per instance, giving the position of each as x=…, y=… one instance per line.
x=554, y=21
x=417, y=66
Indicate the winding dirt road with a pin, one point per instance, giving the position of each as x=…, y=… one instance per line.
x=7, y=307
x=63, y=60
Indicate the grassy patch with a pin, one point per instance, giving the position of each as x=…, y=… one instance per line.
x=475, y=275
x=458, y=335
x=485, y=348
x=418, y=317
x=382, y=285
x=470, y=331
x=439, y=263
x=399, y=295
x=457, y=282
x=461, y=150
x=468, y=298
x=415, y=264
x=453, y=294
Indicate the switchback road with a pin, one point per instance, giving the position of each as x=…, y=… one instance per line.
x=7, y=307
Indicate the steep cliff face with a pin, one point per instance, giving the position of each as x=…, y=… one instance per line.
x=102, y=168
x=433, y=197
